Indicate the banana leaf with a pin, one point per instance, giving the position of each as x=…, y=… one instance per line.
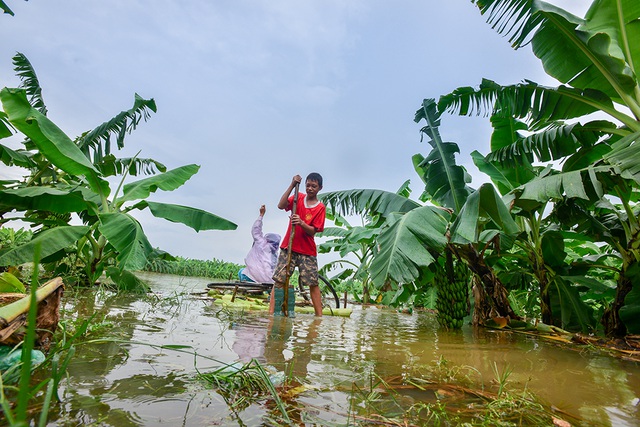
x=51, y=141
x=125, y=234
x=51, y=241
x=167, y=181
x=191, y=217
x=405, y=244
x=483, y=206
x=367, y=201
x=575, y=314
x=59, y=200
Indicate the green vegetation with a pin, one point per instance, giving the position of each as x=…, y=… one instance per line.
x=447, y=395
x=559, y=226
x=213, y=269
x=70, y=176
x=17, y=390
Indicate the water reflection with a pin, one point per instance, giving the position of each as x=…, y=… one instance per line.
x=132, y=381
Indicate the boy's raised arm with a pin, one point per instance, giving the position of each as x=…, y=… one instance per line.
x=284, y=200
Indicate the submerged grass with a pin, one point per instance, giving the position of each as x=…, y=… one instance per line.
x=243, y=385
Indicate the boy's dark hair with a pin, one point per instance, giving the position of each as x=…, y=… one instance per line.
x=315, y=176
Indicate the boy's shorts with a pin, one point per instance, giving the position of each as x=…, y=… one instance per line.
x=307, y=266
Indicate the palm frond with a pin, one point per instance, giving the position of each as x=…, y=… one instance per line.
x=367, y=201
x=538, y=105
x=553, y=143
x=29, y=82
x=110, y=166
x=513, y=18
x=593, y=53
x=98, y=140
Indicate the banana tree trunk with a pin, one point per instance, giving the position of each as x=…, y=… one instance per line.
x=613, y=325
x=490, y=294
x=545, y=299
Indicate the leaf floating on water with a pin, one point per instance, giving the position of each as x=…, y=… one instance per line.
x=561, y=423
x=500, y=322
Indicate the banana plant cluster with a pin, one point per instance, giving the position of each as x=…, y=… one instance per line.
x=565, y=170
x=70, y=176
x=571, y=149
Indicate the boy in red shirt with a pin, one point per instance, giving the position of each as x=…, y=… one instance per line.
x=308, y=220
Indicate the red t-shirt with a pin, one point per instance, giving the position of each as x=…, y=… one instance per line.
x=302, y=242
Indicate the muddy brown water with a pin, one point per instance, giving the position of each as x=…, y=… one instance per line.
x=131, y=381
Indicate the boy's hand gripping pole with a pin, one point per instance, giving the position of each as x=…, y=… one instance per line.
x=285, y=302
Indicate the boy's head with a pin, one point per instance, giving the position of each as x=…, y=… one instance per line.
x=313, y=185
x=315, y=176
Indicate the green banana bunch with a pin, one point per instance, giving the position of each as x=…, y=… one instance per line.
x=452, y=284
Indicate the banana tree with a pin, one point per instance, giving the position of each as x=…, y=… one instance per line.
x=111, y=239
x=415, y=234
x=479, y=217
x=539, y=242
x=595, y=59
x=355, y=241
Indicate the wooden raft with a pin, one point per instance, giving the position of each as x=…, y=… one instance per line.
x=14, y=308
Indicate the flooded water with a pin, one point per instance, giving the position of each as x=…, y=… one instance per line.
x=133, y=380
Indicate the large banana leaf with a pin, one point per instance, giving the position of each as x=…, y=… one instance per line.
x=554, y=143
x=505, y=178
x=592, y=53
x=353, y=239
x=52, y=142
x=191, y=217
x=50, y=241
x=405, y=244
x=60, y=200
x=572, y=184
x=167, y=181
x=5, y=126
x=538, y=104
x=367, y=201
x=125, y=234
x=566, y=300
x=445, y=182
x=483, y=206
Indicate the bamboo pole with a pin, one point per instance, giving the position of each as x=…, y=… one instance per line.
x=10, y=312
x=285, y=302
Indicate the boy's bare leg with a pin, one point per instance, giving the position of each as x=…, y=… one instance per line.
x=272, y=300
x=316, y=299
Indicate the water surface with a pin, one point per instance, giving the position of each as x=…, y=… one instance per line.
x=132, y=381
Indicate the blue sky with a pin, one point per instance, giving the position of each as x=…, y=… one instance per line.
x=257, y=91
